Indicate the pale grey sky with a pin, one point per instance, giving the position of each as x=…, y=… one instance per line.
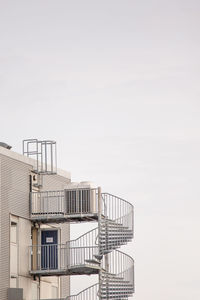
x=116, y=84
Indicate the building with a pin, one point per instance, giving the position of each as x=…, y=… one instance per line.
x=38, y=202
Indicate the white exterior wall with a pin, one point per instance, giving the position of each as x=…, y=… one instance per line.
x=24, y=229
x=15, y=170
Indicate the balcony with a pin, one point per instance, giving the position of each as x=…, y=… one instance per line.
x=64, y=205
x=63, y=259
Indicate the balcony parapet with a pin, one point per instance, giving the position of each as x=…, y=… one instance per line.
x=64, y=205
x=80, y=204
x=62, y=259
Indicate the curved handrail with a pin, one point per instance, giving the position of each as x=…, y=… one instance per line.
x=121, y=274
x=92, y=291
x=83, y=236
x=124, y=262
x=117, y=209
x=122, y=199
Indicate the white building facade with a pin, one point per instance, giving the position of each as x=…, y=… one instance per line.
x=38, y=202
x=16, y=229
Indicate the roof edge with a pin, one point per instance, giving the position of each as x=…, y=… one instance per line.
x=29, y=161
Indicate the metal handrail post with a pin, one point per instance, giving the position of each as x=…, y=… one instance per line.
x=99, y=234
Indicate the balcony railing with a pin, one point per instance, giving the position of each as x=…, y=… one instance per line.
x=61, y=259
x=79, y=203
x=63, y=203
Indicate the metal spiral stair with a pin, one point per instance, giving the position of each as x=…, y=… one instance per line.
x=95, y=252
x=112, y=285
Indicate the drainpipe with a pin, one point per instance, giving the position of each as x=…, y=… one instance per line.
x=39, y=288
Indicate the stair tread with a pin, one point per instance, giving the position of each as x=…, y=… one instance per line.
x=93, y=261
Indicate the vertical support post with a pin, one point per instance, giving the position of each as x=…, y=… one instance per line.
x=99, y=216
x=39, y=288
x=106, y=255
x=35, y=246
x=37, y=155
x=99, y=235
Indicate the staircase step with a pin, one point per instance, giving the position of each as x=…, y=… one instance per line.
x=120, y=294
x=111, y=275
x=111, y=222
x=116, y=285
x=124, y=297
x=115, y=229
x=115, y=243
x=110, y=248
x=115, y=232
x=116, y=235
x=114, y=279
x=114, y=238
x=115, y=225
x=120, y=282
x=98, y=257
x=117, y=295
x=116, y=289
x=92, y=261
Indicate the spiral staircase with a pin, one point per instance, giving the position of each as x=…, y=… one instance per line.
x=95, y=252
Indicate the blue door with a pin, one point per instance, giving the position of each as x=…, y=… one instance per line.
x=49, y=249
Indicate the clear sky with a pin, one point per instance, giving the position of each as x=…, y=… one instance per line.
x=116, y=84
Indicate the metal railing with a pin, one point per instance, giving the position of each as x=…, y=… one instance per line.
x=63, y=202
x=44, y=154
x=118, y=209
x=88, y=293
x=95, y=249
x=71, y=202
x=47, y=203
x=116, y=226
x=89, y=239
x=120, y=264
x=61, y=257
x=116, y=283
